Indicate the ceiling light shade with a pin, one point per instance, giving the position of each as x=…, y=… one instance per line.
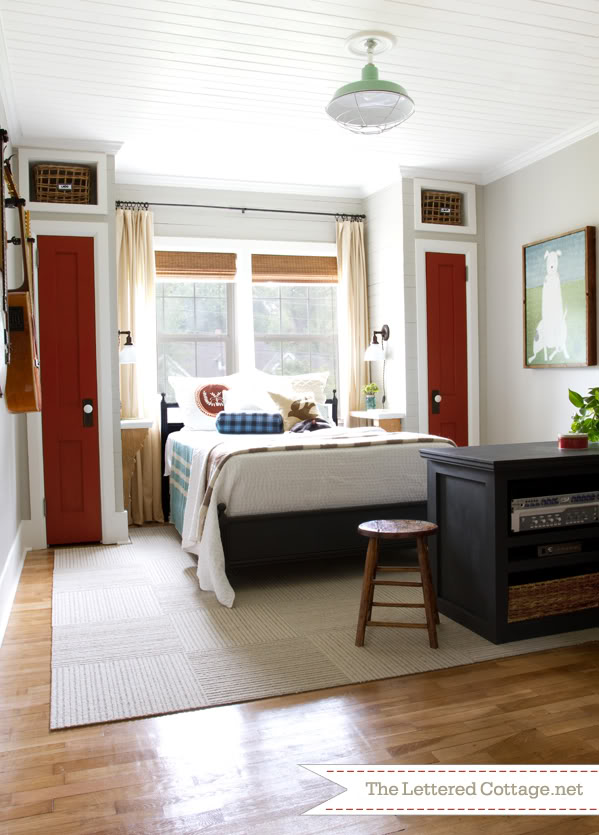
x=370, y=106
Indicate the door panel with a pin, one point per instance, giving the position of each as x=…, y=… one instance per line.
x=68, y=364
x=447, y=351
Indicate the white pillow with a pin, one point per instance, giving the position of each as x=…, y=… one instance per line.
x=201, y=398
x=246, y=399
x=313, y=383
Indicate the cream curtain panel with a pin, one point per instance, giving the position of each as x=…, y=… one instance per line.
x=139, y=382
x=353, y=316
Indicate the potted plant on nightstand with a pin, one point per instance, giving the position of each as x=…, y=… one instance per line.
x=587, y=418
x=370, y=390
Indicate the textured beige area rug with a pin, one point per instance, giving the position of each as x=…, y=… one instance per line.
x=134, y=636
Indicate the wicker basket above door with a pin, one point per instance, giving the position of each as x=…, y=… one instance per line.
x=56, y=183
x=442, y=207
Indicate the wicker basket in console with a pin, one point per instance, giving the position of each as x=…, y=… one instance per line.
x=56, y=183
x=553, y=597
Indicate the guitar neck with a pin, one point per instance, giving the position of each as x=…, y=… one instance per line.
x=25, y=231
x=25, y=251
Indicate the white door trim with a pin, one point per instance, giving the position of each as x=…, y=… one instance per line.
x=114, y=523
x=470, y=251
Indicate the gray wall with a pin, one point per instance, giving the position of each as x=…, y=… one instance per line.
x=550, y=197
x=14, y=478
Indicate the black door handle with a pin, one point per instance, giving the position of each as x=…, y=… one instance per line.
x=436, y=401
x=87, y=404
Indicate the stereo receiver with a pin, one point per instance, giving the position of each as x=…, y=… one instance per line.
x=559, y=511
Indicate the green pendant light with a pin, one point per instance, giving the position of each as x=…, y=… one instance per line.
x=370, y=106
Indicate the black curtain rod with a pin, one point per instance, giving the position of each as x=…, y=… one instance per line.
x=133, y=204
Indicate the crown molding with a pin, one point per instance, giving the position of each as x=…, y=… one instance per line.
x=124, y=178
x=539, y=152
x=8, y=98
x=381, y=183
x=98, y=146
x=414, y=172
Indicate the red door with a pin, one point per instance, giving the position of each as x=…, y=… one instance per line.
x=447, y=353
x=68, y=371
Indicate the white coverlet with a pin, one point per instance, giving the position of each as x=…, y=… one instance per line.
x=280, y=481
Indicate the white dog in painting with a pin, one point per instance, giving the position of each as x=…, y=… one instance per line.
x=552, y=330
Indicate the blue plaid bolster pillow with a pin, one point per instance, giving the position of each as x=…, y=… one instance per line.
x=250, y=423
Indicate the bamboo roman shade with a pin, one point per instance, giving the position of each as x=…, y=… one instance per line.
x=196, y=264
x=294, y=268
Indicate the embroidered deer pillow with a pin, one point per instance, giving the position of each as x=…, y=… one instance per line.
x=295, y=408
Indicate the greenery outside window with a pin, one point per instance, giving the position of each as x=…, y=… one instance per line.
x=295, y=329
x=193, y=329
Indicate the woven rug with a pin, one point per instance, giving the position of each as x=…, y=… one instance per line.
x=133, y=635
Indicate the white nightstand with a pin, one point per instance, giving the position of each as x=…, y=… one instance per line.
x=385, y=418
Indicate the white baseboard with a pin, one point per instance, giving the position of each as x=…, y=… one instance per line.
x=9, y=578
x=115, y=528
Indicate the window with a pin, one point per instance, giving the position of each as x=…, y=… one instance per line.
x=295, y=329
x=193, y=315
x=295, y=315
x=292, y=328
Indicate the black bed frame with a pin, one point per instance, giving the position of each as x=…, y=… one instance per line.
x=301, y=535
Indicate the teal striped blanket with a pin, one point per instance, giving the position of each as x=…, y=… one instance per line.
x=179, y=482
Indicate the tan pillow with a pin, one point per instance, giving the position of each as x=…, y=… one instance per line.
x=304, y=385
x=294, y=408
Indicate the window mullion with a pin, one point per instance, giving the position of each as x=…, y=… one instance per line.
x=244, y=313
x=191, y=337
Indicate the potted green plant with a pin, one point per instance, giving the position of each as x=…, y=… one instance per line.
x=587, y=418
x=370, y=390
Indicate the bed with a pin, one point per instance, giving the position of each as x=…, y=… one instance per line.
x=259, y=499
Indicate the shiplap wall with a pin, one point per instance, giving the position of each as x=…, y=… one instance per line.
x=384, y=246
x=220, y=223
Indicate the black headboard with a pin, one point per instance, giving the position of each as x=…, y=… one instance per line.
x=167, y=427
x=334, y=406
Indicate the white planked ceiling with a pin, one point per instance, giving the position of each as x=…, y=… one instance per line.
x=233, y=91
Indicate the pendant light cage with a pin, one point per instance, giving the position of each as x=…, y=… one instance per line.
x=371, y=105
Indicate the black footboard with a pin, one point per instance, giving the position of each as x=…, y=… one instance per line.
x=279, y=537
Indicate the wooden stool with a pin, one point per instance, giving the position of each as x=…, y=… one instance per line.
x=397, y=529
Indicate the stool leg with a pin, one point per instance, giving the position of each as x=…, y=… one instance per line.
x=367, y=589
x=373, y=577
x=430, y=605
x=437, y=618
x=434, y=594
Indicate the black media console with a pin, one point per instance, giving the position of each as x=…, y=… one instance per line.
x=507, y=584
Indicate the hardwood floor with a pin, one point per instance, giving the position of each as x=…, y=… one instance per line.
x=234, y=770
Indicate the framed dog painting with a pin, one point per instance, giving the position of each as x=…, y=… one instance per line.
x=559, y=301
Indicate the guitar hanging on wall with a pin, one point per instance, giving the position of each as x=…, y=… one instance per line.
x=3, y=273
x=22, y=390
